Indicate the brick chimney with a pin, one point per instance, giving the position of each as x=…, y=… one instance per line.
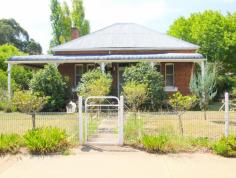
x=74, y=33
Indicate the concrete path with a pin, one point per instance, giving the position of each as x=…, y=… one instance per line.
x=115, y=162
x=107, y=132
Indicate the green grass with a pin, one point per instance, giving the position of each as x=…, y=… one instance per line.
x=194, y=125
x=165, y=143
x=10, y=143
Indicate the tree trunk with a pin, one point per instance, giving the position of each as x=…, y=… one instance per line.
x=205, y=116
x=181, y=125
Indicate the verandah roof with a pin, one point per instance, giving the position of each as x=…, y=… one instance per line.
x=167, y=57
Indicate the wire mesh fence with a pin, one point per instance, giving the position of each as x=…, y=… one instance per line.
x=19, y=123
x=188, y=124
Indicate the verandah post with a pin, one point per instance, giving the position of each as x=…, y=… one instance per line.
x=80, y=120
x=9, y=81
x=226, y=114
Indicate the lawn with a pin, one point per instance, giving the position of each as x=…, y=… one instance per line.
x=194, y=124
x=19, y=123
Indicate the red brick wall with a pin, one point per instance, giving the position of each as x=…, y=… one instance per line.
x=182, y=75
x=68, y=70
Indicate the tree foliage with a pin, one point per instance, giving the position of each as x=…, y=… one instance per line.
x=22, y=76
x=204, y=86
x=7, y=51
x=95, y=83
x=12, y=33
x=213, y=32
x=49, y=82
x=143, y=73
x=26, y=101
x=62, y=19
x=182, y=103
x=135, y=94
x=78, y=17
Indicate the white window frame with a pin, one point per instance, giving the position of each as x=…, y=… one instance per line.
x=170, y=64
x=87, y=67
x=76, y=72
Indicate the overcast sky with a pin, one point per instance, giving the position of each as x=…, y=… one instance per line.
x=33, y=15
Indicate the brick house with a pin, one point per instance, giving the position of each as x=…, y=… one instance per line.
x=117, y=46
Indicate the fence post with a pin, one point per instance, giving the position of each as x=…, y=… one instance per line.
x=121, y=120
x=226, y=114
x=80, y=120
x=33, y=120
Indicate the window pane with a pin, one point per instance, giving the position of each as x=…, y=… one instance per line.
x=79, y=70
x=79, y=73
x=169, y=80
x=169, y=69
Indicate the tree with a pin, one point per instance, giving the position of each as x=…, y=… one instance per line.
x=95, y=83
x=182, y=103
x=55, y=19
x=62, y=19
x=12, y=33
x=26, y=101
x=143, y=73
x=135, y=94
x=78, y=17
x=22, y=76
x=3, y=81
x=213, y=32
x=49, y=82
x=204, y=86
x=7, y=51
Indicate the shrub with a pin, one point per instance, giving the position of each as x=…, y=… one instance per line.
x=46, y=140
x=204, y=87
x=21, y=76
x=135, y=94
x=3, y=81
x=95, y=83
x=26, y=101
x=226, y=146
x=166, y=143
x=49, y=82
x=143, y=73
x=10, y=143
x=154, y=143
x=180, y=102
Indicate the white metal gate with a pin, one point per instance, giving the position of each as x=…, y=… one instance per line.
x=103, y=120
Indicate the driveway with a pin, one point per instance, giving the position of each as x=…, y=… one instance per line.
x=115, y=162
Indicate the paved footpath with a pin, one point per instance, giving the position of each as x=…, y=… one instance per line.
x=115, y=162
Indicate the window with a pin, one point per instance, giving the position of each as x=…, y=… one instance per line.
x=90, y=67
x=78, y=73
x=169, y=75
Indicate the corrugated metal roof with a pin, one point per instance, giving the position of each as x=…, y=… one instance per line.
x=125, y=36
x=95, y=58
